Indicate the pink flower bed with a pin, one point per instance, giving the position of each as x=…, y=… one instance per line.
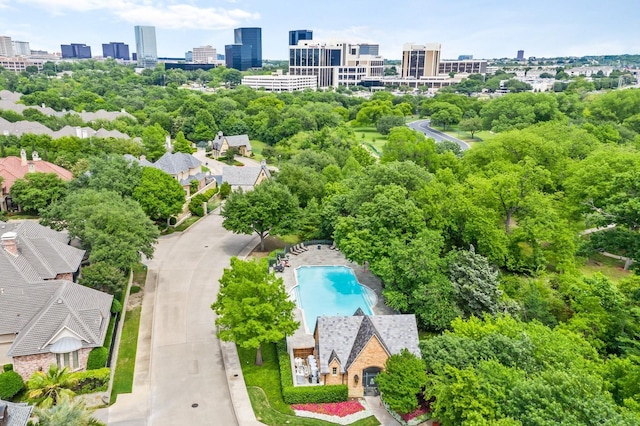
x=420, y=411
x=340, y=409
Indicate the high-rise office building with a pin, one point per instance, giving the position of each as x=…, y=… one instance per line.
x=251, y=37
x=464, y=57
x=115, y=50
x=334, y=64
x=75, y=51
x=204, y=55
x=369, y=49
x=146, y=49
x=238, y=56
x=521, y=55
x=296, y=35
x=21, y=48
x=420, y=60
x=6, y=47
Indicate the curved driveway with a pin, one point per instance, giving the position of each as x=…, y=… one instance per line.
x=438, y=136
x=179, y=363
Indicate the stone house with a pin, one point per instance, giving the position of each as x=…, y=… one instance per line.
x=222, y=143
x=182, y=167
x=353, y=350
x=45, y=318
x=245, y=177
x=13, y=168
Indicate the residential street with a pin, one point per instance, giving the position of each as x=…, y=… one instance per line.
x=438, y=136
x=178, y=363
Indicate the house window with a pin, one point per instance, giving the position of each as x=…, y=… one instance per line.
x=334, y=371
x=69, y=360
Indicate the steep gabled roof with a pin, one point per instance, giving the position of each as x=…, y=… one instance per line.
x=82, y=310
x=243, y=176
x=366, y=331
x=344, y=337
x=176, y=162
x=238, y=141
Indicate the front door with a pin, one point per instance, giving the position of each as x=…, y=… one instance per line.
x=369, y=381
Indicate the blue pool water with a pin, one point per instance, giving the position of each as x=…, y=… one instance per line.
x=330, y=290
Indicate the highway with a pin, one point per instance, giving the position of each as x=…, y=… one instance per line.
x=438, y=136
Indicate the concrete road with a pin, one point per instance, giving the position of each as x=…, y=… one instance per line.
x=438, y=136
x=178, y=363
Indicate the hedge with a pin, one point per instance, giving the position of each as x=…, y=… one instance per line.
x=305, y=394
x=10, y=384
x=195, y=205
x=97, y=358
x=91, y=381
x=7, y=367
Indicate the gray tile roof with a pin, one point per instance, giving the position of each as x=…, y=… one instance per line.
x=44, y=253
x=243, y=175
x=176, y=162
x=238, y=141
x=344, y=337
x=82, y=310
x=198, y=177
x=17, y=413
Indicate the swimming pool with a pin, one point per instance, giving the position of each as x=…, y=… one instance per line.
x=330, y=290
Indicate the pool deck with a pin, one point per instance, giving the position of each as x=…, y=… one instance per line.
x=327, y=257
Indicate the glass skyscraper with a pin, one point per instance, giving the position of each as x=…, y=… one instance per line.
x=297, y=35
x=250, y=37
x=147, y=53
x=115, y=50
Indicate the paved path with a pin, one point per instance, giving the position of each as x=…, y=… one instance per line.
x=438, y=136
x=179, y=361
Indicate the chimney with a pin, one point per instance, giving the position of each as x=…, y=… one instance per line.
x=35, y=156
x=10, y=243
x=143, y=157
x=23, y=157
x=78, y=132
x=32, y=167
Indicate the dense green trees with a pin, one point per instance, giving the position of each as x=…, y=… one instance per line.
x=159, y=194
x=36, y=190
x=403, y=379
x=252, y=306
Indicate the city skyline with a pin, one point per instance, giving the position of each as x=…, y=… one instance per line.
x=493, y=29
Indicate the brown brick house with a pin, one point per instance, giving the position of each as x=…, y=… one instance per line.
x=45, y=318
x=352, y=350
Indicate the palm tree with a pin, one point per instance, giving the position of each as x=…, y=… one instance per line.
x=47, y=388
x=68, y=412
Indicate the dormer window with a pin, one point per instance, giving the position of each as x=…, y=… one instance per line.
x=334, y=371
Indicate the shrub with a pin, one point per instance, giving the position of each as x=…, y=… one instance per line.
x=116, y=306
x=195, y=205
x=135, y=289
x=7, y=367
x=305, y=394
x=225, y=190
x=10, y=384
x=91, y=381
x=97, y=358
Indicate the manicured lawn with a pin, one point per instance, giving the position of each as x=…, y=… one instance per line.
x=139, y=274
x=371, y=138
x=263, y=384
x=257, y=147
x=123, y=377
x=267, y=415
x=611, y=268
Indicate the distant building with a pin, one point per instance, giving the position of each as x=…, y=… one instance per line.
x=251, y=37
x=21, y=48
x=75, y=51
x=420, y=60
x=6, y=47
x=146, y=49
x=334, y=64
x=19, y=64
x=520, y=55
x=188, y=56
x=296, y=35
x=278, y=82
x=464, y=57
x=188, y=66
x=469, y=66
x=369, y=49
x=116, y=50
x=204, y=55
x=238, y=56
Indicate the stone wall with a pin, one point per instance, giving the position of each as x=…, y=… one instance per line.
x=373, y=355
x=29, y=364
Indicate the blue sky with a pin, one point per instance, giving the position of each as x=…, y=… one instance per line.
x=485, y=29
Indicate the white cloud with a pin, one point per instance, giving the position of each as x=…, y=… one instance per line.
x=174, y=15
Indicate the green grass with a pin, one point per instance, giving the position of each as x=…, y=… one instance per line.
x=256, y=148
x=182, y=227
x=611, y=268
x=123, y=377
x=269, y=416
x=371, y=136
x=139, y=274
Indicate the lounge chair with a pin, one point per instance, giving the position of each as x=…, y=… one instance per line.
x=333, y=246
x=302, y=247
x=296, y=249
